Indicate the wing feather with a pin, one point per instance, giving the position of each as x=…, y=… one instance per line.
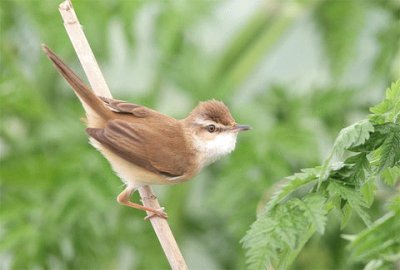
x=158, y=150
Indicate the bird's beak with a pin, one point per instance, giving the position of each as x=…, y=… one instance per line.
x=241, y=127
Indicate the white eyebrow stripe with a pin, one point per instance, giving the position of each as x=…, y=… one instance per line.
x=203, y=122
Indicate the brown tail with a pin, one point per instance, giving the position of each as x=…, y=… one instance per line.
x=80, y=88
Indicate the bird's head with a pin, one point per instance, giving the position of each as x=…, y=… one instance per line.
x=213, y=130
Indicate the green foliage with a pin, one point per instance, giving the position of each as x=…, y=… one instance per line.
x=340, y=194
x=290, y=219
x=352, y=136
x=281, y=232
x=380, y=243
x=389, y=109
x=391, y=175
x=57, y=194
x=390, y=149
x=294, y=183
x=349, y=137
x=339, y=35
x=389, y=40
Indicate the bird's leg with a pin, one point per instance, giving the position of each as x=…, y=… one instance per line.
x=124, y=196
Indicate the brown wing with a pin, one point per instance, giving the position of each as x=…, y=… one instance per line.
x=161, y=150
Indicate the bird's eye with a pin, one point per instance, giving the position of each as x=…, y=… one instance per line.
x=211, y=128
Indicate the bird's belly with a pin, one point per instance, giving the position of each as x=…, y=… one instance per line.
x=129, y=173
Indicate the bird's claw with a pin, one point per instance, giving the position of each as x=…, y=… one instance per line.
x=159, y=213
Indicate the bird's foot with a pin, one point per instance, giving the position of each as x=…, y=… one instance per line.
x=157, y=212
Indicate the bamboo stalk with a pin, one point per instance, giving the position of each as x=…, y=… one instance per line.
x=99, y=86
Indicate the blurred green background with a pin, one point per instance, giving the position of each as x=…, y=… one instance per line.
x=296, y=71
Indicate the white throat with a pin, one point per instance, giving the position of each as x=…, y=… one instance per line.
x=211, y=150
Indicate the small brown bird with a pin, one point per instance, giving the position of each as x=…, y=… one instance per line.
x=145, y=147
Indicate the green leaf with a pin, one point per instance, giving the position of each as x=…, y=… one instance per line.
x=389, y=109
x=352, y=136
x=381, y=239
x=374, y=141
x=391, y=175
x=346, y=215
x=314, y=208
x=353, y=197
x=283, y=231
x=374, y=265
x=394, y=204
x=305, y=178
x=348, y=138
x=368, y=191
x=390, y=149
x=359, y=167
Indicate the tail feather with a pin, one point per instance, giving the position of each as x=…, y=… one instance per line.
x=80, y=88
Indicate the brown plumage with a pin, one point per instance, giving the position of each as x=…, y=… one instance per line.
x=214, y=110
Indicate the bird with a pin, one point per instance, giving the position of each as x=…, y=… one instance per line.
x=146, y=147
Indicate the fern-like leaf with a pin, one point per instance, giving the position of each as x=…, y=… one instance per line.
x=284, y=230
x=352, y=136
x=390, y=149
x=352, y=197
x=382, y=239
x=314, y=208
x=359, y=168
x=389, y=109
x=391, y=175
x=348, y=138
x=307, y=177
x=299, y=209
